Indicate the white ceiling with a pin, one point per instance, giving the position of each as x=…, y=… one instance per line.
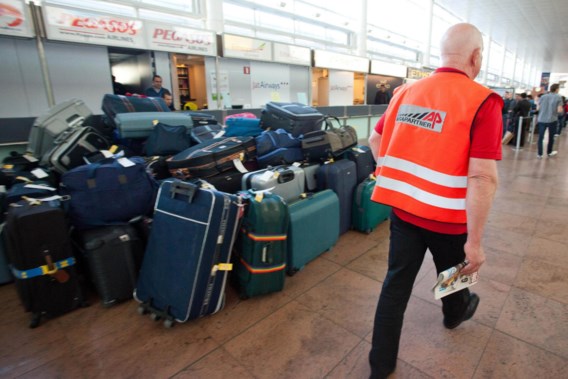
x=536, y=30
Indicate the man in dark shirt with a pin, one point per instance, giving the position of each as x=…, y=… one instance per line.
x=382, y=96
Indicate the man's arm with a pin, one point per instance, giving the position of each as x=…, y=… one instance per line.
x=375, y=137
x=481, y=187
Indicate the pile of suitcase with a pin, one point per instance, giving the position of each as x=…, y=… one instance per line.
x=162, y=206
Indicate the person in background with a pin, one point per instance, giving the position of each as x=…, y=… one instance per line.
x=169, y=99
x=436, y=146
x=548, y=111
x=117, y=87
x=382, y=96
x=156, y=89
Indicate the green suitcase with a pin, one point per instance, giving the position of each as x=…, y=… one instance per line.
x=314, y=228
x=367, y=214
x=261, y=248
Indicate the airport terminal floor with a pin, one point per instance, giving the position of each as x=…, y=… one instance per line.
x=320, y=325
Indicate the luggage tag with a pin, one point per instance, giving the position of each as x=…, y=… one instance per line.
x=125, y=162
x=30, y=158
x=39, y=173
x=329, y=161
x=220, y=134
x=358, y=150
x=239, y=164
x=39, y=186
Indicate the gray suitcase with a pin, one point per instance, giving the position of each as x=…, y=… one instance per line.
x=56, y=120
x=72, y=146
x=310, y=170
x=141, y=124
x=287, y=182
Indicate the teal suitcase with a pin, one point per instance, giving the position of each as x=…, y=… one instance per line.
x=367, y=214
x=261, y=248
x=313, y=228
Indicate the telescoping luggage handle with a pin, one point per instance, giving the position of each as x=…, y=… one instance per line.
x=184, y=189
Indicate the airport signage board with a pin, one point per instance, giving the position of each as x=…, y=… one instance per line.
x=388, y=69
x=179, y=39
x=337, y=61
x=15, y=19
x=291, y=54
x=74, y=25
x=246, y=48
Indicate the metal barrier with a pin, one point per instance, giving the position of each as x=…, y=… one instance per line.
x=520, y=131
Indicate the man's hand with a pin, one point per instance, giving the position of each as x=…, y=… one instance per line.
x=475, y=257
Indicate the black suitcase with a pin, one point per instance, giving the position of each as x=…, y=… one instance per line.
x=295, y=118
x=341, y=177
x=364, y=160
x=212, y=157
x=113, y=255
x=40, y=251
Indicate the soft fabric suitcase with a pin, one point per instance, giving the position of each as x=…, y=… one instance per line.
x=212, y=157
x=167, y=140
x=284, y=155
x=313, y=228
x=261, y=247
x=32, y=189
x=109, y=192
x=271, y=140
x=39, y=249
x=295, y=118
x=285, y=181
x=113, y=105
x=202, y=133
x=328, y=143
x=364, y=161
x=114, y=256
x=49, y=126
x=242, y=127
x=72, y=146
x=341, y=177
x=141, y=124
x=188, y=255
x=5, y=273
x=367, y=214
x=227, y=181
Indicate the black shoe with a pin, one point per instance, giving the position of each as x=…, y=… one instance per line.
x=467, y=314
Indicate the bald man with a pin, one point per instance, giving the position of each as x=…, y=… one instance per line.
x=436, y=147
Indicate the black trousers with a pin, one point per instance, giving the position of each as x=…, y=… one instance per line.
x=408, y=245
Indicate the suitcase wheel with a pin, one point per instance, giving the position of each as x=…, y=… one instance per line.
x=168, y=323
x=154, y=316
x=368, y=231
x=142, y=310
x=35, y=321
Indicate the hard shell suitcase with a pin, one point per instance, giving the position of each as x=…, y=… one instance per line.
x=72, y=146
x=367, y=214
x=310, y=171
x=285, y=181
x=295, y=118
x=341, y=177
x=313, y=228
x=114, y=256
x=185, y=265
x=5, y=273
x=56, y=120
x=212, y=157
x=364, y=161
x=141, y=124
x=261, y=247
x=39, y=249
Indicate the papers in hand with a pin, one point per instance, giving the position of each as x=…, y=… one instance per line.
x=450, y=281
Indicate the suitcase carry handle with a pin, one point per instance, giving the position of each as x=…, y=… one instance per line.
x=328, y=123
x=183, y=188
x=285, y=176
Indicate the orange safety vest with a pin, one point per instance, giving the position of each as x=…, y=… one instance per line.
x=424, y=152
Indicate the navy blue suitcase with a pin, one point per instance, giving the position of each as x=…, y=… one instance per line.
x=188, y=255
x=341, y=177
x=281, y=156
x=363, y=158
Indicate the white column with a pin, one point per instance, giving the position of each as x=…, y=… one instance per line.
x=362, y=35
x=426, y=56
x=214, y=15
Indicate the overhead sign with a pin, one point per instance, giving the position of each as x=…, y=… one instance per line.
x=292, y=54
x=247, y=48
x=327, y=59
x=389, y=69
x=179, y=39
x=416, y=73
x=15, y=19
x=75, y=25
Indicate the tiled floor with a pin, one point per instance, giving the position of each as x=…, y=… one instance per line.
x=320, y=325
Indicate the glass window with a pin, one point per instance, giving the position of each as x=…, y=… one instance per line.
x=232, y=12
x=98, y=6
x=179, y=5
x=273, y=21
x=169, y=18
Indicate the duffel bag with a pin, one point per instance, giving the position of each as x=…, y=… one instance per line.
x=242, y=127
x=167, y=140
x=271, y=140
x=212, y=157
x=109, y=192
x=330, y=142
